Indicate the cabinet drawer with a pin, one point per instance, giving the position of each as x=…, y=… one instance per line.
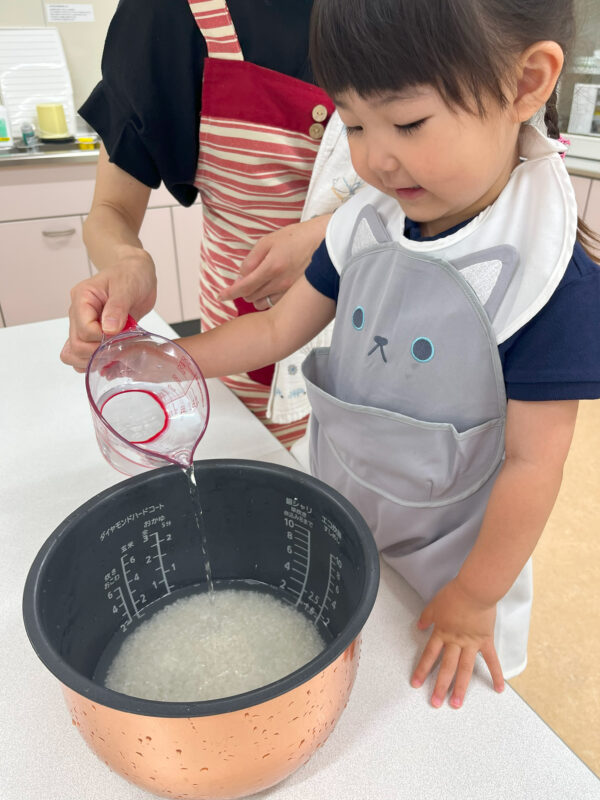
x=45, y=191
x=39, y=263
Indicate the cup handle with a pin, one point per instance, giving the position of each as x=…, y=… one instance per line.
x=130, y=324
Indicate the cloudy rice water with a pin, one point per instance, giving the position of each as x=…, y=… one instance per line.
x=204, y=647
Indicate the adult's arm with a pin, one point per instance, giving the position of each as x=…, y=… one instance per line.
x=126, y=279
x=254, y=340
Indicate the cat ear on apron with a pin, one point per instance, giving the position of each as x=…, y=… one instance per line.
x=489, y=272
x=368, y=231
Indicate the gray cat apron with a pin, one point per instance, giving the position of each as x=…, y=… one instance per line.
x=409, y=403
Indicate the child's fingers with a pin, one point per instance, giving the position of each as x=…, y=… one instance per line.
x=493, y=664
x=446, y=674
x=463, y=677
x=428, y=658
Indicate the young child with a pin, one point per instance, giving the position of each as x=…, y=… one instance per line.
x=466, y=308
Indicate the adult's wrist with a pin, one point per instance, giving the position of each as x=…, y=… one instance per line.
x=133, y=255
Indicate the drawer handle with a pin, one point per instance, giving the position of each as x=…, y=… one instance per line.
x=56, y=234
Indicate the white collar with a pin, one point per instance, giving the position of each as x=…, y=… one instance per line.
x=536, y=213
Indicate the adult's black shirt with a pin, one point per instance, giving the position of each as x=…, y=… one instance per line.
x=146, y=107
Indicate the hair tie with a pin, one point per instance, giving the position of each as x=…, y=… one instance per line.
x=566, y=142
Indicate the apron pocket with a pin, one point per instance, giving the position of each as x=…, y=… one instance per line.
x=407, y=460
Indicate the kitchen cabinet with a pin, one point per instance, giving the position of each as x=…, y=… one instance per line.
x=42, y=254
x=156, y=235
x=187, y=228
x=41, y=260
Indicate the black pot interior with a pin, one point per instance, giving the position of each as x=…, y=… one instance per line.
x=136, y=546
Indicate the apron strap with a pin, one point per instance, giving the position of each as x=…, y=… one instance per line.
x=214, y=21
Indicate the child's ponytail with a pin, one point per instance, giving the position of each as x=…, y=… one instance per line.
x=551, y=116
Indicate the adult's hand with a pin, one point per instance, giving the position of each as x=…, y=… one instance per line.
x=276, y=261
x=126, y=281
x=101, y=304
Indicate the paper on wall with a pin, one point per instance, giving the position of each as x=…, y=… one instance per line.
x=69, y=12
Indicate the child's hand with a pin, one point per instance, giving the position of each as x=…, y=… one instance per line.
x=462, y=628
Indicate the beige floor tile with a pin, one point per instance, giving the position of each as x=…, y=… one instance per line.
x=562, y=679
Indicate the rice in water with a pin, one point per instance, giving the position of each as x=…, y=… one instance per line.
x=202, y=647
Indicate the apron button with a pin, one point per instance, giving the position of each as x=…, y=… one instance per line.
x=316, y=130
x=319, y=113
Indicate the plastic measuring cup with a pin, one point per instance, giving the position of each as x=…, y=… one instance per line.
x=149, y=401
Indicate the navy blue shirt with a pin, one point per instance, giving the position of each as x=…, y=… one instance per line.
x=556, y=355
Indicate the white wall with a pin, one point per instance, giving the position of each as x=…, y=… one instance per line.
x=82, y=41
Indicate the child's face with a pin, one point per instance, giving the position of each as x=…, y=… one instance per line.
x=443, y=165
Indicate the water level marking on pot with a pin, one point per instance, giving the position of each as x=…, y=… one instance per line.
x=332, y=591
x=158, y=556
x=126, y=563
x=300, y=526
x=297, y=564
x=144, y=561
x=131, y=575
x=120, y=606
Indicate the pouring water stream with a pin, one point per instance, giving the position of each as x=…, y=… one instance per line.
x=200, y=524
x=150, y=407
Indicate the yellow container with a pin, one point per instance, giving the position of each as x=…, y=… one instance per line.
x=51, y=121
x=87, y=142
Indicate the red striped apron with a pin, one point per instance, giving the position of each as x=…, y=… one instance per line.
x=259, y=135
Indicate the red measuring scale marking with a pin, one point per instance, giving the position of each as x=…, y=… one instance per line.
x=156, y=400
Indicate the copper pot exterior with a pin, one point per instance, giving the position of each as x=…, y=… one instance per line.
x=222, y=756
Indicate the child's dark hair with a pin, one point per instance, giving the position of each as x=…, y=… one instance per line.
x=466, y=49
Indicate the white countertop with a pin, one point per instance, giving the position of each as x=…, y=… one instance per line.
x=388, y=744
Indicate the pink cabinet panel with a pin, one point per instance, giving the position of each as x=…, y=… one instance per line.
x=41, y=260
x=52, y=190
x=592, y=214
x=156, y=235
x=187, y=224
x=582, y=190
